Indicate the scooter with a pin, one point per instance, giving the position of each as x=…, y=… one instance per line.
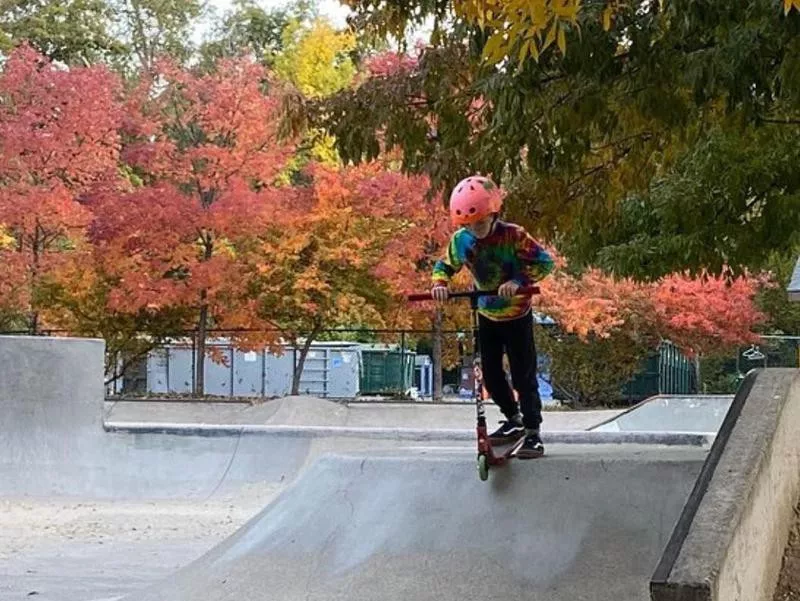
x=487, y=456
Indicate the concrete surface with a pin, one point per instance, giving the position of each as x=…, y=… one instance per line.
x=53, y=442
x=401, y=435
x=309, y=411
x=87, y=514
x=586, y=523
x=87, y=565
x=48, y=407
x=734, y=544
x=672, y=413
x=90, y=515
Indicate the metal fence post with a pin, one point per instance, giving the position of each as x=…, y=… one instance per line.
x=194, y=361
x=403, y=382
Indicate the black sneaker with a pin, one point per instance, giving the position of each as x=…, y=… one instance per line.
x=510, y=431
x=531, y=448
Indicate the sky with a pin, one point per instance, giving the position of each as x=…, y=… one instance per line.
x=332, y=9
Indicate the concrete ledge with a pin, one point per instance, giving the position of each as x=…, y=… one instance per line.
x=49, y=386
x=728, y=543
x=561, y=437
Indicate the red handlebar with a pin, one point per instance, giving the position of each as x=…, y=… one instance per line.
x=423, y=296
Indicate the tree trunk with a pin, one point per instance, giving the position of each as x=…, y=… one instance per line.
x=33, y=314
x=437, y=356
x=301, y=360
x=34, y=323
x=202, y=326
x=200, y=349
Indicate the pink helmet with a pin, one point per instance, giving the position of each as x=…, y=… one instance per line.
x=473, y=199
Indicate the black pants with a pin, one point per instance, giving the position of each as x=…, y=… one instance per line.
x=515, y=338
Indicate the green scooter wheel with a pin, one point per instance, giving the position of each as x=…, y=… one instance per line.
x=483, y=467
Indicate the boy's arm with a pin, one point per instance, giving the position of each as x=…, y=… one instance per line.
x=536, y=261
x=449, y=265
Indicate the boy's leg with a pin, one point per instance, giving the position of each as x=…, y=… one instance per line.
x=521, y=350
x=491, y=341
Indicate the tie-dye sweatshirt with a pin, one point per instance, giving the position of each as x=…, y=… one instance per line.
x=507, y=253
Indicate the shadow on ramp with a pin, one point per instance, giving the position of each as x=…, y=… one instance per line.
x=573, y=526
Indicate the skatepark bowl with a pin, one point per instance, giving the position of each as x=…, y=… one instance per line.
x=678, y=498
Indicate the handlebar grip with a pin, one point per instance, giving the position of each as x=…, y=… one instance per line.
x=419, y=296
x=422, y=296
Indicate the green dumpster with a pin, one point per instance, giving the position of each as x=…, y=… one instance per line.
x=386, y=370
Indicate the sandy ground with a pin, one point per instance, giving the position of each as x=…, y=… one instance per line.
x=789, y=582
x=72, y=550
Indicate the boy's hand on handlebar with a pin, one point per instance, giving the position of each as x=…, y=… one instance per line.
x=439, y=293
x=508, y=289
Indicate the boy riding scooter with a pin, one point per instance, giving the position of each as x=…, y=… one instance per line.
x=503, y=256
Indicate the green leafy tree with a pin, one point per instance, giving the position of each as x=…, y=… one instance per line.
x=515, y=30
x=592, y=372
x=646, y=126
x=154, y=29
x=784, y=315
x=732, y=198
x=74, y=32
x=246, y=28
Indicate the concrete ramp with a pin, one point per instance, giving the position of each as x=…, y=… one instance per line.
x=585, y=523
x=53, y=443
x=672, y=413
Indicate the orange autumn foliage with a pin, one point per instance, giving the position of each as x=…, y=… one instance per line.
x=58, y=139
x=206, y=151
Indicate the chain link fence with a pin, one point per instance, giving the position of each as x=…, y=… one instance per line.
x=722, y=375
x=373, y=364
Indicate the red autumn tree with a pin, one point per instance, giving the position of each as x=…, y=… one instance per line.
x=709, y=312
x=327, y=252
x=606, y=326
x=204, y=151
x=58, y=138
x=408, y=262
x=699, y=314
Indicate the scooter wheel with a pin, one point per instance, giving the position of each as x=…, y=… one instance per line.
x=483, y=467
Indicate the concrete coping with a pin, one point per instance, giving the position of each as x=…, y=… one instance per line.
x=419, y=434
x=728, y=543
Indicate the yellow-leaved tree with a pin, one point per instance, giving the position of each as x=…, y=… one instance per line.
x=516, y=30
x=315, y=57
x=316, y=61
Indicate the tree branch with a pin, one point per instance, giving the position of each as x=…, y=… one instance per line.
x=784, y=121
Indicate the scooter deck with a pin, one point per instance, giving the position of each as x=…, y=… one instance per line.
x=504, y=452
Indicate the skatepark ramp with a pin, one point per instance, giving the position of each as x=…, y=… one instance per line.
x=619, y=520
x=53, y=442
x=587, y=523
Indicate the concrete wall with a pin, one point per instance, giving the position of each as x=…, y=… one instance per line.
x=51, y=402
x=331, y=369
x=737, y=527
x=50, y=385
